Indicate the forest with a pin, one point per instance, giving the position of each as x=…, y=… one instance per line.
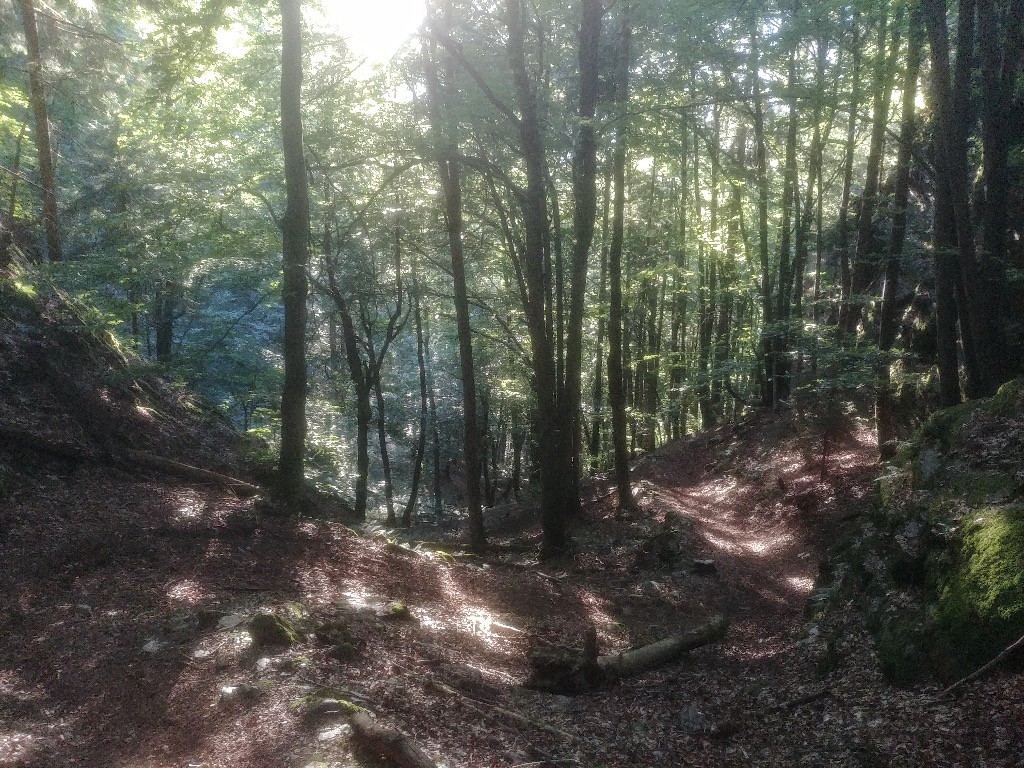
x=511, y=382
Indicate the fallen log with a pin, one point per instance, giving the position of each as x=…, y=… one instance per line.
x=393, y=745
x=28, y=440
x=187, y=471
x=565, y=671
x=645, y=658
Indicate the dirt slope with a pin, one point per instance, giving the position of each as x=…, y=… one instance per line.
x=126, y=596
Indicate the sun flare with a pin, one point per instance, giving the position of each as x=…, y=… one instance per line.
x=375, y=30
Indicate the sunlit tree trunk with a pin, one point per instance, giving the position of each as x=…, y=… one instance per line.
x=421, y=436
x=295, y=230
x=37, y=99
x=865, y=264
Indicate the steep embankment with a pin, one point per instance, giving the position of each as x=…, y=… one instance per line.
x=135, y=607
x=939, y=567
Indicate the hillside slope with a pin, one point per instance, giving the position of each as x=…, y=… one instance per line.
x=132, y=603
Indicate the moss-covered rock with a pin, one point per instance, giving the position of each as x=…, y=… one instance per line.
x=980, y=607
x=939, y=567
x=325, y=702
x=270, y=630
x=397, y=611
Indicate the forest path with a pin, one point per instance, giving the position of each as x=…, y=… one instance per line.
x=128, y=599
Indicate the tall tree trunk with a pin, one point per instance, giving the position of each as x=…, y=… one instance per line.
x=450, y=173
x=954, y=115
x=295, y=231
x=584, y=186
x=7, y=232
x=421, y=437
x=596, y=443
x=885, y=416
x=1001, y=28
x=850, y=145
x=553, y=423
x=677, y=340
x=865, y=264
x=382, y=440
x=435, y=440
x=616, y=395
x=769, y=393
x=37, y=99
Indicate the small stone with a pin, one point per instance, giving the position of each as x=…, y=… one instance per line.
x=230, y=621
x=334, y=732
x=650, y=588
x=153, y=646
x=233, y=694
x=202, y=653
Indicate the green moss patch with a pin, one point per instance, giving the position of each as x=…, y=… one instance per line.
x=980, y=609
x=268, y=629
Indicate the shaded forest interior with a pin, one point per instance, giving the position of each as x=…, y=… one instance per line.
x=546, y=288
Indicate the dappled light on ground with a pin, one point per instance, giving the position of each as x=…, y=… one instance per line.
x=140, y=653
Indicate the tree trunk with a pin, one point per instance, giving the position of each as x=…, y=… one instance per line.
x=639, y=660
x=769, y=393
x=37, y=99
x=450, y=173
x=865, y=264
x=421, y=437
x=596, y=443
x=845, y=277
x=7, y=233
x=978, y=326
x=295, y=249
x=885, y=416
x=385, y=460
x=584, y=187
x=616, y=395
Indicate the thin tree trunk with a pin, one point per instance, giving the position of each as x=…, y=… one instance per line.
x=769, y=393
x=845, y=277
x=450, y=173
x=382, y=440
x=7, y=233
x=596, y=447
x=865, y=263
x=37, y=99
x=616, y=395
x=421, y=437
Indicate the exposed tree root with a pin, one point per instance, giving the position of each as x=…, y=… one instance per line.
x=978, y=673
x=26, y=440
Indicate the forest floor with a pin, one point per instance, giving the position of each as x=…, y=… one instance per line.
x=126, y=596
